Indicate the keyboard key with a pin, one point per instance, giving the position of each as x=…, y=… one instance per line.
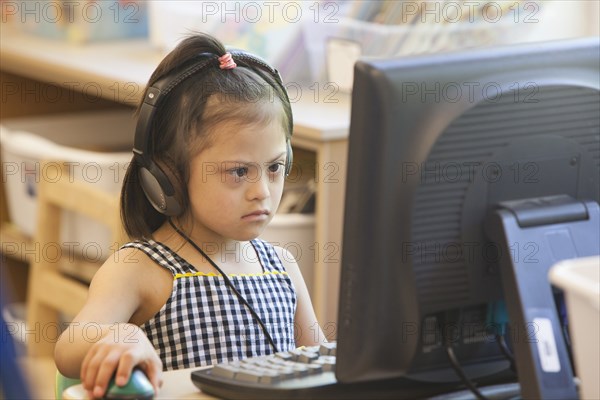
x=327, y=362
x=259, y=362
x=314, y=368
x=313, y=349
x=283, y=372
x=328, y=349
x=284, y=355
x=307, y=357
x=225, y=371
x=278, y=361
x=300, y=371
x=248, y=375
x=270, y=377
x=296, y=353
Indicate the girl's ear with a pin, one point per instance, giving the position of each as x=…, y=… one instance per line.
x=169, y=167
x=164, y=187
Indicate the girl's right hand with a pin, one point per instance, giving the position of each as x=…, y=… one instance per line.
x=121, y=349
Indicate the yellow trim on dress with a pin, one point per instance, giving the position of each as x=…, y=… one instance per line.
x=193, y=274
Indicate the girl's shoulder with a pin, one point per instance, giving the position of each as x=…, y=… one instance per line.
x=128, y=268
x=132, y=257
x=275, y=254
x=135, y=278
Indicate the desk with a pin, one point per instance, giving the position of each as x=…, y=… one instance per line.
x=176, y=385
x=118, y=71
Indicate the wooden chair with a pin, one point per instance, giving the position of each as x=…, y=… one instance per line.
x=50, y=291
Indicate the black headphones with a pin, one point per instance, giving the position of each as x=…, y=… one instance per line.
x=156, y=185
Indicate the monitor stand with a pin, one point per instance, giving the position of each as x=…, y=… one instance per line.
x=533, y=234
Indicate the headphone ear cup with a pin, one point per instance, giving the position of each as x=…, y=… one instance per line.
x=289, y=159
x=159, y=191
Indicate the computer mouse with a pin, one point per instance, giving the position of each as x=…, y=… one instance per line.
x=138, y=387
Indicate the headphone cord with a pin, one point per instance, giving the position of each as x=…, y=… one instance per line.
x=228, y=283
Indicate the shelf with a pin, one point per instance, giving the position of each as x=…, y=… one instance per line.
x=113, y=70
x=22, y=248
x=15, y=243
x=118, y=71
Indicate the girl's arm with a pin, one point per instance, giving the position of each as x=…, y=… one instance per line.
x=309, y=331
x=100, y=339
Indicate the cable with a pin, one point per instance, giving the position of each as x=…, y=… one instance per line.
x=456, y=365
x=228, y=283
x=506, y=351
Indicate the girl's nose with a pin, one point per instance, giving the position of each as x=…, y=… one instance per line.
x=259, y=188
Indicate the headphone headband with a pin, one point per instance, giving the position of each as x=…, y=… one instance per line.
x=155, y=95
x=157, y=92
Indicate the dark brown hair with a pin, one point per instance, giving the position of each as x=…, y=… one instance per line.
x=181, y=126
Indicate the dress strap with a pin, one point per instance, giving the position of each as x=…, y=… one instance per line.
x=268, y=256
x=162, y=255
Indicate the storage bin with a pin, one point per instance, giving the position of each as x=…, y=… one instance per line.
x=295, y=233
x=96, y=149
x=384, y=41
x=580, y=280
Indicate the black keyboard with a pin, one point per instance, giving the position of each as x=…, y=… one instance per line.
x=303, y=373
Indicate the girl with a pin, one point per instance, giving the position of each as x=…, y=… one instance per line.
x=197, y=287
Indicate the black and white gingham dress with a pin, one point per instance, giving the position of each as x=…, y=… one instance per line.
x=203, y=322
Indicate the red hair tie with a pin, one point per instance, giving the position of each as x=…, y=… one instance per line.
x=226, y=61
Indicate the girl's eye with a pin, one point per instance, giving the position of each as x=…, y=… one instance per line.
x=239, y=172
x=274, y=168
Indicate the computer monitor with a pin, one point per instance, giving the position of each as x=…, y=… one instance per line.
x=469, y=174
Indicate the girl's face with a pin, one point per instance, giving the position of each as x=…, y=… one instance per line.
x=236, y=183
